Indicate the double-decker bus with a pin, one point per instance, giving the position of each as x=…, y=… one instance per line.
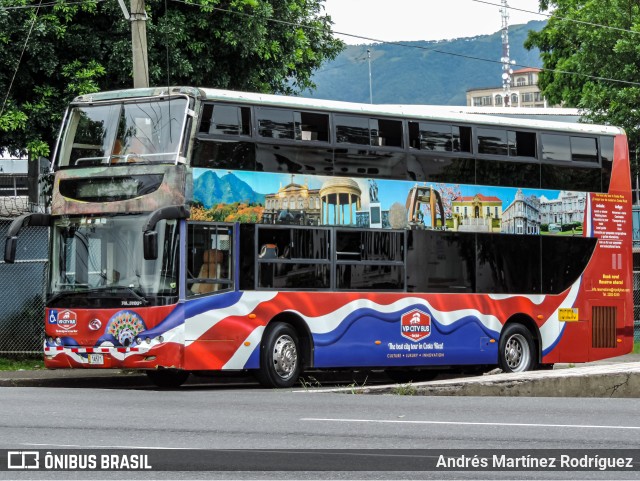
x=197, y=230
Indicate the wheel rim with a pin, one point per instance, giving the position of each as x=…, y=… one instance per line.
x=285, y=357
x=516, y=353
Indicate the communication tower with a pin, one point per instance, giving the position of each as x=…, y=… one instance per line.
x=506, y=61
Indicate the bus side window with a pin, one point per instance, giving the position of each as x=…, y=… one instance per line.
x=209, y=256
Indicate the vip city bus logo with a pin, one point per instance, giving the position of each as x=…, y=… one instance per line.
x=415, y=325
x=67, y=320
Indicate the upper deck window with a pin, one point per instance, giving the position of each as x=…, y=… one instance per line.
x=146, y=132
x=563, y=147
x=584, y=149
x=292, y=124
x=606, y=148
x=367, y=131
x=278, y=124
x=439, y=137
x=221, y=119
x=510, y=143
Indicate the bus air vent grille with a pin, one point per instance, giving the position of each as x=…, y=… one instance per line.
x=603, y=328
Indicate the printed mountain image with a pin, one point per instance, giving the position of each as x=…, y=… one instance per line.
x=210, y=190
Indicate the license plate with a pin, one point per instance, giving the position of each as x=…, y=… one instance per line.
x=96, y=359
x=568, y=314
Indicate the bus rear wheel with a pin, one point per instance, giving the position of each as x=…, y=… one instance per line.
x=517, y=349
x=280, y=360
x=168, y=378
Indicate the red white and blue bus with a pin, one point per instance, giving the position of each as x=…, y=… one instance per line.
x=195, y=229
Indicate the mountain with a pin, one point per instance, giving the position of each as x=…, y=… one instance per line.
x=413, y=73
x=210, y=189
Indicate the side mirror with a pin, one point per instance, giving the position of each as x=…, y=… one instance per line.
x=150, y=245
x=150, y=236
x=10, y=249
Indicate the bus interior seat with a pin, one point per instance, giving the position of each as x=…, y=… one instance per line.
x=267, y=251
x=211, y=268
x=116, y=151
x=286, y=252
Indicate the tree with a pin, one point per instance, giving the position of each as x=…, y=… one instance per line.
x=270, y=46
x=602, y=55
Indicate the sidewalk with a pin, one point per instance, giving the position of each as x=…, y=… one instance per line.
x=618, y=377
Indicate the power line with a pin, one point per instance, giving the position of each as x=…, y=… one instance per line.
x=50, y=4
x=419, y=47
x=566, y=19
x=400, y=44
x=15, y=72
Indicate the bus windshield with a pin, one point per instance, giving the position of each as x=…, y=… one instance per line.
x=147, y=132
x=104, y=255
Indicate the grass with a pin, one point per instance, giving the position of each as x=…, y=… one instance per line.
x=21, y=363
x=636, y=347
x=310, y=383
x=405, y=390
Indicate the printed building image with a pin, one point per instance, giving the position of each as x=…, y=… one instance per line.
x=476, y=213
x=293, y=204
x=522, y=216
x=566, y=209
x=340, y=199
x=335, y=203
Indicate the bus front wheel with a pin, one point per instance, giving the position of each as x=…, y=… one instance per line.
x=280, y=359
x=168, y=378
x=516, y=349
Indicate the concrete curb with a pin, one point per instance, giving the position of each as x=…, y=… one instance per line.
x=612, y=380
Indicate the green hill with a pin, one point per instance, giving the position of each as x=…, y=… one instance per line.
x=413, y=73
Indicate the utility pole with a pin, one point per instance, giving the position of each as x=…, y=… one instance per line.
x=139, y=44
x=138, y=19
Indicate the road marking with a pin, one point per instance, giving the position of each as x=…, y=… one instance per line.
x=463, y=423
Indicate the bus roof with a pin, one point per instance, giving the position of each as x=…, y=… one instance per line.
x=456, y=114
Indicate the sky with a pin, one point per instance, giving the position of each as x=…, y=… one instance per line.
x=398, y=20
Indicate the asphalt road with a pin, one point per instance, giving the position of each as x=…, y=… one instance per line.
x=244, y=417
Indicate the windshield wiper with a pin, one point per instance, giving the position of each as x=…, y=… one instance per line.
x=100, y=290
x=131, y=290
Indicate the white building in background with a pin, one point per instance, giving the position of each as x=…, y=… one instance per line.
x=14, y=192
x=522, y=216
x=567, y=208
x=13, y=165
x=524, y=92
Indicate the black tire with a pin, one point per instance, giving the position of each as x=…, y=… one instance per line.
x=402, y=376
x=168, y=378
x=280, y=359
x=516, y=349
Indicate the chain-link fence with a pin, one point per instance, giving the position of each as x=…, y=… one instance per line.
x=636, y=305
x=22, y=287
